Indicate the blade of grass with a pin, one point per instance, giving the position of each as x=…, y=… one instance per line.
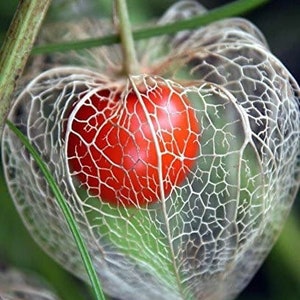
x=16, y=48
x=66, y=211
x=229, y=10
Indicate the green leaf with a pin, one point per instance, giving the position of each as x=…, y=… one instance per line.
x=66, y=211
x=232, y=9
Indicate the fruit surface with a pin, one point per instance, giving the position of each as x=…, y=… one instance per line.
x=133, y=149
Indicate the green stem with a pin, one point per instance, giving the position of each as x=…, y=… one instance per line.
x=17, y=47
x=235, y=8
x=130, y=64
x=87, y=261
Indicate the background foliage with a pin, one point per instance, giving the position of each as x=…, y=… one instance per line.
x=279, y=276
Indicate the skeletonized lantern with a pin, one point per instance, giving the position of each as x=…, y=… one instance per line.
x=179, y=177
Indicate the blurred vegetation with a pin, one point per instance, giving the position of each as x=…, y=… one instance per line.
x=279, y=277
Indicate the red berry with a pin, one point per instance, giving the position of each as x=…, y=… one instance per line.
x=132, y=152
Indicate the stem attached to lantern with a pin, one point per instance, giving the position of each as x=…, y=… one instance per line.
x=130, y=63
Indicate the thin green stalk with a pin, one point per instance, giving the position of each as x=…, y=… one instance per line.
x=236, y=8
x=17, y=47
x=130, y=64
x=66, y=211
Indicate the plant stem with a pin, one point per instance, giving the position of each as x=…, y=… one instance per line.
x=130, y=63
x=17, y=47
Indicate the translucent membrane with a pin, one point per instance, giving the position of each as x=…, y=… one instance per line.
x=215, y=186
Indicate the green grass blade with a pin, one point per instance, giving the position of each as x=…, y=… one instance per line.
x=229, y=10
x=66, y=211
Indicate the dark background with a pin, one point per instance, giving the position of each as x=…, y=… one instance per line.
x=279, y=276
